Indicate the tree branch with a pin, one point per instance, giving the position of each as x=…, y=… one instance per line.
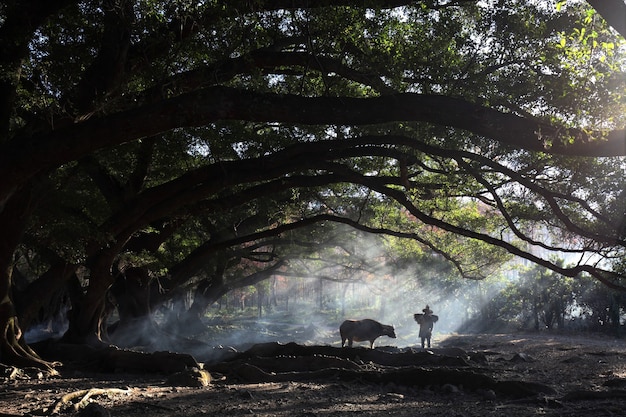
x=609, y=278
x=25, y=157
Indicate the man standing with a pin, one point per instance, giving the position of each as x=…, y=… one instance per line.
x=426, y=321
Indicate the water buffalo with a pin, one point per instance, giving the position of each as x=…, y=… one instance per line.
x=426, y=321
x=362, y=330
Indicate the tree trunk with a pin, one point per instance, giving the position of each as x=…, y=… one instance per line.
x=131, y=293
x=320, y=294
x=273, y=298
x=207, y=292
x=87, y=313
x=260, y=292
x=343, y=298
x=13, y=347
x=614, y=310
x=536, y=315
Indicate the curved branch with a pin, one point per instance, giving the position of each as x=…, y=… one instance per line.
x=404, y=235
x=264, y=59
x=607, y=277
x=509, y=220
x=256, y=277
x=25, y=157
x=194, y=191
x=550, y=196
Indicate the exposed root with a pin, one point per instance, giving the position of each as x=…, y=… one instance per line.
x=13, y=373
x=79, y=399
x=14, y=350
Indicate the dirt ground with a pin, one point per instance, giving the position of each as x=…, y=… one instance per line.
x=588, y=376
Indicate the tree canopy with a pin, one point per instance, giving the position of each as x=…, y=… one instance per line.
x=210, y=145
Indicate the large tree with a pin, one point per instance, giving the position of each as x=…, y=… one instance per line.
x=202, y=134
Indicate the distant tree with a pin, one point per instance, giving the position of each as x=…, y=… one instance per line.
x=548, y=295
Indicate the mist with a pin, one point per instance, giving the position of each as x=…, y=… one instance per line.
x=309, y=308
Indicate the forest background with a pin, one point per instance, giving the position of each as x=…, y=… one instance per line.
x=159, y=157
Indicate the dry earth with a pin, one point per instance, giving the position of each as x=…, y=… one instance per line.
x=588, y=376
